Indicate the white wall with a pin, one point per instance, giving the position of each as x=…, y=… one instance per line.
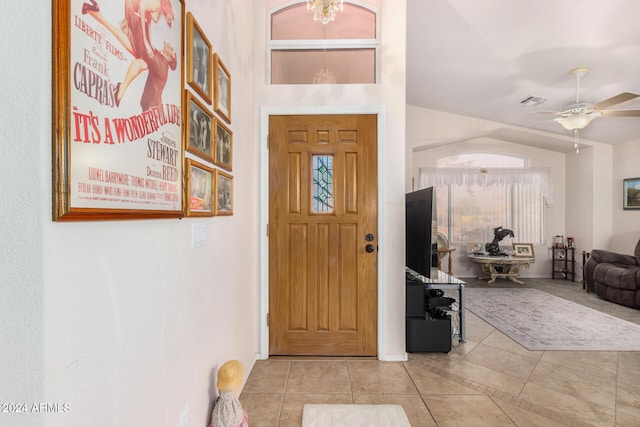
x=579, y=202
x=122, y=320
x=389, y=97
x=625, y=232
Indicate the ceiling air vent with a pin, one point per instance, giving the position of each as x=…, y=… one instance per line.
x=532, y=101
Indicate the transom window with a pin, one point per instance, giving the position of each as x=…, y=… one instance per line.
x=304, y=51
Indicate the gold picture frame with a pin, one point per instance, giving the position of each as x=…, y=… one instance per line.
x=523, y=250
x=200, y=184
x=224, y=193
x=107, y=165
x=222, y=89
x=199, y=60
x=223, y=138
x=200, y=128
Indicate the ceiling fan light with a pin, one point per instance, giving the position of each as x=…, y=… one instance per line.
x=576, y=122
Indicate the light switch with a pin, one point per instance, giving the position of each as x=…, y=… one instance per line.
x=198, y=234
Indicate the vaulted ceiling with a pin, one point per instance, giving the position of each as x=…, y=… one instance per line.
x=481, y=58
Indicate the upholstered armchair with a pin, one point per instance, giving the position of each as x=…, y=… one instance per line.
x=614, y=277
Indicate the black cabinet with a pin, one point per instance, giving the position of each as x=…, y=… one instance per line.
x=563, y=263
x=428, y=330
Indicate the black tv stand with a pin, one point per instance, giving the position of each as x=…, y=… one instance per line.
x=425, y=332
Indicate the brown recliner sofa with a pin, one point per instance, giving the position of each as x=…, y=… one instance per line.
x=614, y=277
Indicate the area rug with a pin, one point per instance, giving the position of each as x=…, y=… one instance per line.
x=354, y=416
x=540, y=321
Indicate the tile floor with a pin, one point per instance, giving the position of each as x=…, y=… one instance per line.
x=488, y=381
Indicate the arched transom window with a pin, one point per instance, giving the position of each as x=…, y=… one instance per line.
x=304, y=51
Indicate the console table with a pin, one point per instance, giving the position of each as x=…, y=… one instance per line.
x=508, y=267
x=416, y=303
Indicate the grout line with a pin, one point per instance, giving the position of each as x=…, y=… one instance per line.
x=508, y=398
x=284, y=393
x=404, y=365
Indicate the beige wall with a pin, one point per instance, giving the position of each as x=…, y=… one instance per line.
x=625, y=232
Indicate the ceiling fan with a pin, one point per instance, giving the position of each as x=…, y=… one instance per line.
x=579, y=114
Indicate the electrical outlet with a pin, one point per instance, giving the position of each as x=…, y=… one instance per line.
x=184, y=417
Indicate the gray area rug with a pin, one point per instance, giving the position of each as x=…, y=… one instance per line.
x=540, y=321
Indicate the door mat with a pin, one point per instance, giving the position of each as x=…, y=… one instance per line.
x=354, y=416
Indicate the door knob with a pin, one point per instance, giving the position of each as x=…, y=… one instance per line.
x=370, y=248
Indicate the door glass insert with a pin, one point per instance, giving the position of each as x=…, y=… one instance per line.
x=322, y=184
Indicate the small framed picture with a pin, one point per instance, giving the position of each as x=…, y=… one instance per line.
x=199, y=54
x=199, y=185
x=200, y=128
x=224, y=146
x=631, y=196
x=474, y=248
x=222, y=92
x=224, y=193
x=524, y=250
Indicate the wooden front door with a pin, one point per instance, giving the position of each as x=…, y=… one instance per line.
x=323, y=235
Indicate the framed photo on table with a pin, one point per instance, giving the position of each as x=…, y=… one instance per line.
x=200, y=185
x=224, y=146
x=200, y=128
x=222, y=92
x=112, y=157
x=199, y=54
x=224, y=193
x=523, y=250
x=631, y=196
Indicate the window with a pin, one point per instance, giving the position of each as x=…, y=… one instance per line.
x=473, y=197
x=303, y=51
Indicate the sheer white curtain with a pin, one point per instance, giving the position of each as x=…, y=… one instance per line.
x=472, y=202
x=486, y=177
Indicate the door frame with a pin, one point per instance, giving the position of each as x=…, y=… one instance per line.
x=265, y=112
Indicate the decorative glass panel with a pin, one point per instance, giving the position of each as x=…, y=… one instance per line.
x=332, y=66
x=322, y=184
x=296, y=23
x=303, y=51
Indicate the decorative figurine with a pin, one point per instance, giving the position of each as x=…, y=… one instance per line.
x=228, y=411
x=499, y=233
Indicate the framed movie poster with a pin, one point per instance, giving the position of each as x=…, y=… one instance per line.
x=117, y=109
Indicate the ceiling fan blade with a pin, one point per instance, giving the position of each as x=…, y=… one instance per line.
x=621, y=113
x=614, y=100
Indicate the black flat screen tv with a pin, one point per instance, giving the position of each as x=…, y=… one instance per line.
x=421, y=232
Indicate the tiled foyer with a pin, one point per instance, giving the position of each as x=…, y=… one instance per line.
x=488, y=381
